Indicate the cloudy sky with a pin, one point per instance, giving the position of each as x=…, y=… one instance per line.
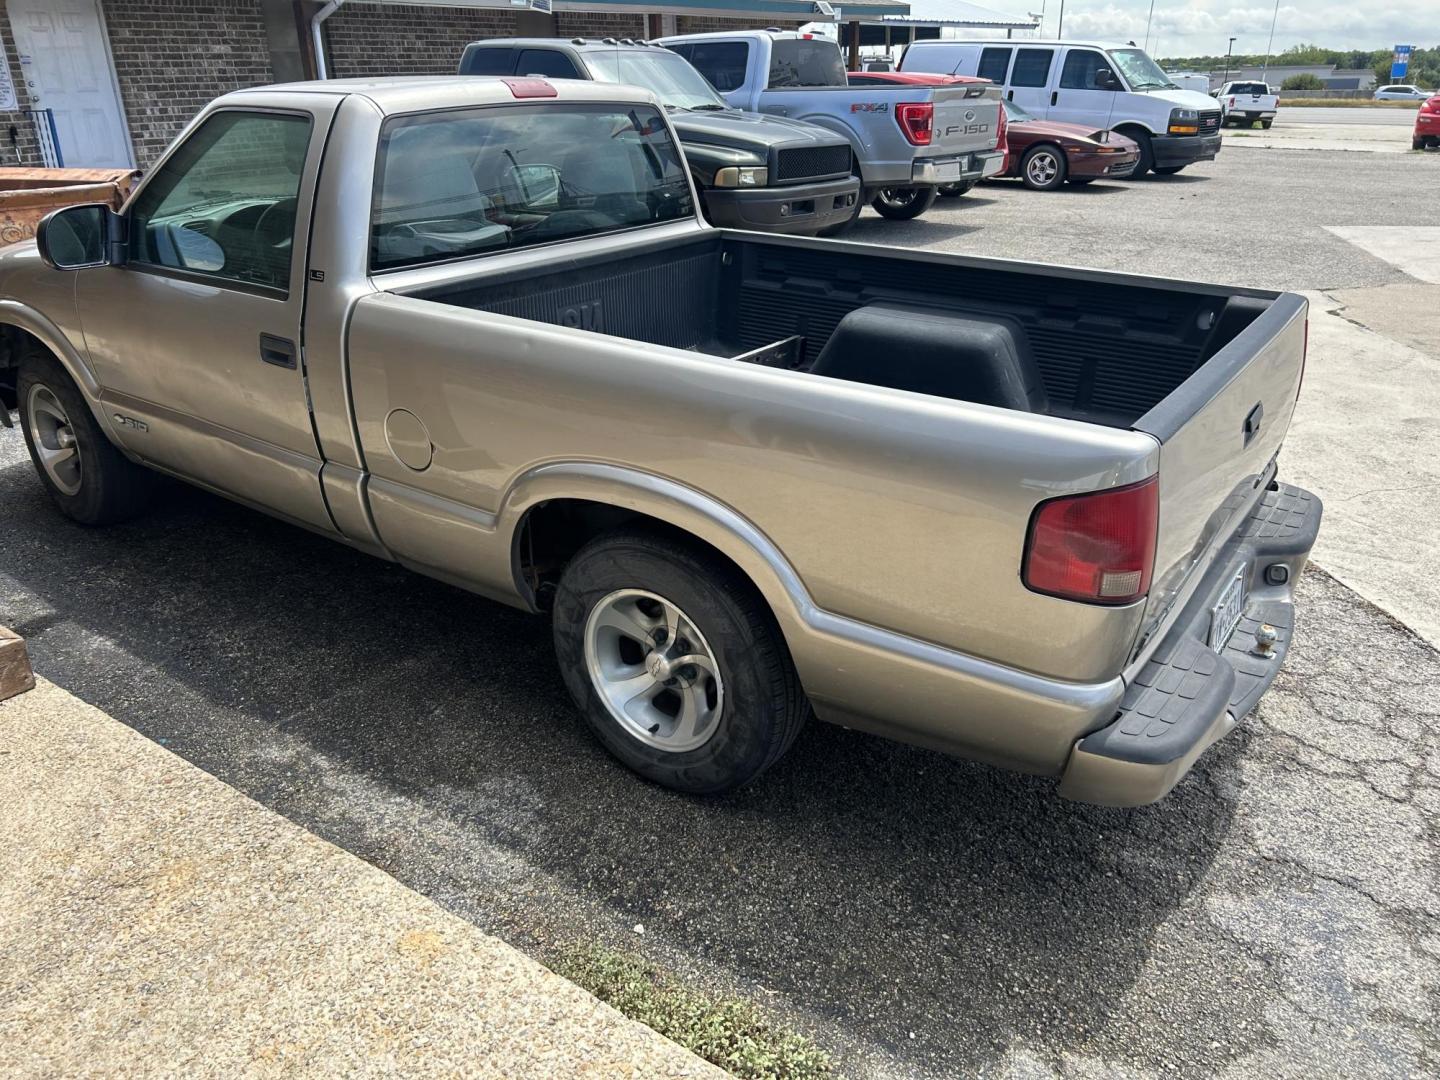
x=1204, y=26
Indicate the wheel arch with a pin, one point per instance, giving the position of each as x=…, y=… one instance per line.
x=21, y=324
x=552, y=511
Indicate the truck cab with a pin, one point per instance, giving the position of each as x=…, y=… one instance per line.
x=1096, y=84
x=767, y=173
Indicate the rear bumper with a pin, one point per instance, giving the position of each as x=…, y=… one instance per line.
x=1175, y=150
x=960, y=169
x=795, y=208
x=1187, y=696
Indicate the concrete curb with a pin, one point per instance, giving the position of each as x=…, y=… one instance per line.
x=16, y=675
x=156, y=921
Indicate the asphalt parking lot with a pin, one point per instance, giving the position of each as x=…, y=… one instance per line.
x=919, y=916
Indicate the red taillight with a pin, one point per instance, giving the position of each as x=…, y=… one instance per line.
x=1002, y=143
x=1098, y=548
x=917, y=121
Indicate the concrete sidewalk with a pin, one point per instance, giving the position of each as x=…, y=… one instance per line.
x=155, y=921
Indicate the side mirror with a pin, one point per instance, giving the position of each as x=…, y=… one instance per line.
x=534, y=186
x=79, y=237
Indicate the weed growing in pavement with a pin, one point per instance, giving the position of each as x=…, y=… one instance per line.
x=729, y=1032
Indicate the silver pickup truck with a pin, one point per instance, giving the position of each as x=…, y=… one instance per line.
x=909, y=141
x=1019, y=513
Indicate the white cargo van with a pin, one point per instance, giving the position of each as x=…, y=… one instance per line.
x=1092, y=83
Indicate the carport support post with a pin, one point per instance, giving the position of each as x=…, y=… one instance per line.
x=853, y=63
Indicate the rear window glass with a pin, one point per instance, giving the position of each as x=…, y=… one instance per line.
x=476, y=181
x=545, y=62
x=487, y=61
x=797, y=62
x=1032, y=67
x=1249, y=88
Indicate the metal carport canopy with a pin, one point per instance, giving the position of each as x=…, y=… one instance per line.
x=802, y=11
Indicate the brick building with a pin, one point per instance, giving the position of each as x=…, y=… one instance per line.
x=111, y=82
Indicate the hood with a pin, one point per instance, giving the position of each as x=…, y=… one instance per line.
x=1184, y=99
x=1054, y=129
x=754, y=132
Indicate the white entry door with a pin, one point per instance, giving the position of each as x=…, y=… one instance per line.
x=65, y=61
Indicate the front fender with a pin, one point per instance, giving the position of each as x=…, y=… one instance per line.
x=24, y=317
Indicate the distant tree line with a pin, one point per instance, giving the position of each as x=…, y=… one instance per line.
x=1424, y=63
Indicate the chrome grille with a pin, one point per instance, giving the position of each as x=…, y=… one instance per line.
x=811, y=162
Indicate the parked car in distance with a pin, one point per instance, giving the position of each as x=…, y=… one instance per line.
x=1094, y=84
x=1401, y=92
x=1017, y=512
x=1046, y=154
x=908, y=140
x=1187, y=80
x=767, y=173
x=1427, y=124
x=1243, y=103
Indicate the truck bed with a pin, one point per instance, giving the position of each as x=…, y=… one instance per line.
x=1108, y=352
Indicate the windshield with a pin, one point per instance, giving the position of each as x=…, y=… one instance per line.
x=1140, y=71
x=668, y=75
x=1014, y=114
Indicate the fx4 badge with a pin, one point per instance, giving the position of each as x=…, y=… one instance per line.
x=131, y=422
x=870, y=106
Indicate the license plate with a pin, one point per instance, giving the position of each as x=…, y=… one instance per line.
x=950, y=170
x=1225, y=616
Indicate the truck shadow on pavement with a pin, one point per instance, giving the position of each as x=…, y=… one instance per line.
x=911, y=905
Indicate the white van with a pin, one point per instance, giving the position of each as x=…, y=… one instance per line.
x=1092, y=83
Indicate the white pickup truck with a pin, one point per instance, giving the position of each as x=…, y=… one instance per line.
x=1242, y=103
x=909, y=141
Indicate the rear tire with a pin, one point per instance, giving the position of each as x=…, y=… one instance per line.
x=1266, y=124
x=631, y=604
x=1417, y=144
x=87, y=477
x=954, y=191
x=903, y=204
x=1044, y=167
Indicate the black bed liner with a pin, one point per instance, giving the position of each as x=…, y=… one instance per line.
x=1107, y=350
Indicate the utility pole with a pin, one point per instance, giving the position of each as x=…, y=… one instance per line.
x=1060, y=30
x=1152, y=15
x=1228, y=53
x=1270, y=46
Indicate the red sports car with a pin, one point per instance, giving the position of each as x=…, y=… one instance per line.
x=1046, y=153
x=1427, y=124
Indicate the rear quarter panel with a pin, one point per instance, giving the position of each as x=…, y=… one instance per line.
x=899, y=510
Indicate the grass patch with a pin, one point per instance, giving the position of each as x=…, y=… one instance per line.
x=729, y=1032
x=1345, y=103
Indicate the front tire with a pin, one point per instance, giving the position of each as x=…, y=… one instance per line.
x=1147, y=151
x=953, y=191
x=903, y=204
x=1044, y=168
x=1167, y=170
x=675, y=662
x=87, y=477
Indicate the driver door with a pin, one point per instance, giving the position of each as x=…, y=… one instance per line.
x=195, y=340
x=1084, y=94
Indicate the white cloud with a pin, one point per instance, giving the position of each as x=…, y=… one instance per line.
x=1205, y=26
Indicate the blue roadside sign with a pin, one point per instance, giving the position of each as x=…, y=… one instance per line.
x=1400, y=62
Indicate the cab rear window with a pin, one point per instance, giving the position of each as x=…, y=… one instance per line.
x=801, y=62
x=472, y=182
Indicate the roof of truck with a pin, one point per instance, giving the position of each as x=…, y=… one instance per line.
x=410, y=93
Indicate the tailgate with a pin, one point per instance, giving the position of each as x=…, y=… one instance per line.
x=1219, y=432
x=965, y=121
